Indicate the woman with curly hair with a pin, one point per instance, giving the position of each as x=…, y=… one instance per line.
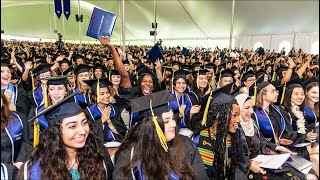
x=153, y=149
x=67, y=148
x=219, y=140
x=14, y=140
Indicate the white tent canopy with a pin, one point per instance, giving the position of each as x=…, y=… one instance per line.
x=193, y=23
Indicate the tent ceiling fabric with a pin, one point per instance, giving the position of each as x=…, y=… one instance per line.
x=176, y=19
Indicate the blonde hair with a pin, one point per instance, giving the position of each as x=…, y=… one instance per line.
x=259, y=98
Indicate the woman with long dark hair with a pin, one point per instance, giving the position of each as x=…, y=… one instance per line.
x=257, y=144
x=153, y=149
x=67, y=148
x=14, y=140
x=219, y=140
x=294, y=102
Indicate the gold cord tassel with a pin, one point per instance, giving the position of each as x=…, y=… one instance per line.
x=219, y=79
x=283, y=92
x=172, y=82
x=204, y=119
x=32, y=81
x=98, y=91
x=254, y=93
x=198, y=80
x=36, y=133
x=45, y=96
x=273, y=76
x=74, y=81
x=162, y=137
x=109, y=75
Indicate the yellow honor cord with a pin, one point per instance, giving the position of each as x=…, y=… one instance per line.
x=98, y=91
x=36, y=133
x=204, y=119
x=162, y=137
x=283, y=92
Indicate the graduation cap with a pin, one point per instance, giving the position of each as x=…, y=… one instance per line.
x=58, y=80
x=153, y=105
x=176, y=63
x=196, y=64
x=81, y=68
x=280, y=70
x=155, y=53
x=96, y=84
x=186, y=67
x=310, y=80
x=69, y=70
x=218, y=97
x=210, y=66
x=247, y=75
x=143, y=69
x=125, y=62
x=224, y=73
x=42, y=68
x=261, y=73
x=112, y=72
x=4, y=64
x=99, y=66
x=65, y=60
x=185, y=51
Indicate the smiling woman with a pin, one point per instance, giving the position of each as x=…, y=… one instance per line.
x=73, y=152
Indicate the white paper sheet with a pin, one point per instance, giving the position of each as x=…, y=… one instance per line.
x=272, y=161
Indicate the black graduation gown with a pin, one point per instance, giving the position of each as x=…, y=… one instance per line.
x=21, y=154
x=23, y=103
x=117, y=122
x=258, y=145
x=193, y=158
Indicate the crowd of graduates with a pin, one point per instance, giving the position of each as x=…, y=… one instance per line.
x=97, y=112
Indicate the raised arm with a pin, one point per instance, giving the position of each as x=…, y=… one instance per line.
x=125, y=83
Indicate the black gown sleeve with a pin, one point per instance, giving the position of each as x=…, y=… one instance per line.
x=22, y=103
x=107, y=162
x=31, y=100
x=195, y=159
x=26, y=148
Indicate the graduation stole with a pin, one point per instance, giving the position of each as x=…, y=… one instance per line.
x=96, y=114
x=35, y=172
x=81, y=98
x=204, y=143
x=39, y=124
x=38, y=95
x=14, y=92
x=133, y=119
x=266, y=126
x=310, y=115
x=183, y=100
x=14, y=131
x=4, y=171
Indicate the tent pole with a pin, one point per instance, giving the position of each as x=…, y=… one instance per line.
x=155, y=22
x=231, y=28
x=123, y=26
x=80, y=32
x=294, y=39
x=270, y=42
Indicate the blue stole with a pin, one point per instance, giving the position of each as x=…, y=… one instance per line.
x=81, y=98
x=138, y=173
x=14, y=131
x=42, y=120
x=96, y=114
x=14, y=92
x=266, y=126
x=133, y=119
x=38, y=96
x=175, y=104
x=35, y=170
x=310, y=115
x=293, y=122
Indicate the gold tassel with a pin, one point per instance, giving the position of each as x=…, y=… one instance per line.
x=204, y=119
x=36, y=133
x=74, y=81
x=98, y=91
x=32, y=81
x=219, y=79
x=45, y=96
x=162, y=137
x=172, y=82
x=109, y=75
x=198, y=80
x=283, y=92
x=254, y=93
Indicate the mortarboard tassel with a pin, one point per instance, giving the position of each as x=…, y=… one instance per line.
x=45, y=96
x=109, y=75
x=91, y=72
x=254, y=93
x=98, y=91
x=162, y=137
x=32, y=81
x=204, y=119
x=219, y=79
x=198, y=79
x=74, y=81
x=274, y=74
x=172, y=81
x=283, y=92
x=36, y=133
